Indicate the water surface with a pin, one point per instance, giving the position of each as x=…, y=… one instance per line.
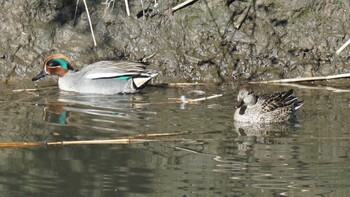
x=213, y=157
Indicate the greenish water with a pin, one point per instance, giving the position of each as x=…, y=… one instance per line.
x=216, y=157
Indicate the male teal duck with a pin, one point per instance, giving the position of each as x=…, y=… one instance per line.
x=266, y=108
x=103, y=77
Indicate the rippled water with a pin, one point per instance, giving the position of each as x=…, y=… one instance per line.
x=213, y=157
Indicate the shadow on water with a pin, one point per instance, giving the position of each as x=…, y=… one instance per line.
x=213, y=156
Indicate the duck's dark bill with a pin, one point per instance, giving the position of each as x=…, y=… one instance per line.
x=40, y=75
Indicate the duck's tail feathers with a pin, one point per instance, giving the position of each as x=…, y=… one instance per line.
x=291, y=99
x=298, y=105
x=140, y=81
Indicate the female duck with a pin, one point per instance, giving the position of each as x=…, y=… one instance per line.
x=104, y=77
x=267, y=108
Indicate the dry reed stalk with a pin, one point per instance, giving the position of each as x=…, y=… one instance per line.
x=133, y=139
x=81, y=142
x=339, y=76
x=96, y=142
x=151, y=135
x=333, y=89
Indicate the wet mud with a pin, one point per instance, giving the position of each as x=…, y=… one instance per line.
x=207, y=41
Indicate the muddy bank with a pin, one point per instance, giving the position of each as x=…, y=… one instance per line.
x=210, y=41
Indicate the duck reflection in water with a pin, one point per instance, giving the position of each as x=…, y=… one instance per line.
x=55, y=113
x=251, y=133
x=95, y=114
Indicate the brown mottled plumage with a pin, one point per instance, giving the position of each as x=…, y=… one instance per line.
x=266, y=108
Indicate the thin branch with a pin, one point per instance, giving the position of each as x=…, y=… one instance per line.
x=181, y=5
x=76, y=10
x=88, y=15
x=343, y=47
x=127, y=7
x=339, y=76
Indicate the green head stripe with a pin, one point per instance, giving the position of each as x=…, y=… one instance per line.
x=63, y=63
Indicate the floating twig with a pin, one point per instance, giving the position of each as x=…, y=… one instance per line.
x=33, y=89
x=339, y=76
x=183, y=99
x=25, y=90
x=184, y=84
x=343, y=47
